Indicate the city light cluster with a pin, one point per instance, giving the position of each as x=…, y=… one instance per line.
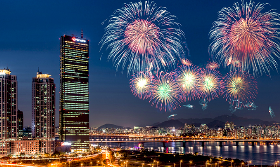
x=230, y=131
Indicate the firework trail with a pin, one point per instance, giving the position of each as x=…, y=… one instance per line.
x=203, y=103
x=271, y=112
x=165, y=93
x=189, y=106
x=251, y=106
x=139, y=84
x=140, y=34
x=188, y=77
x=235, y=105
x=210, y=85
x=240, y=88
x=246, y=38
x=171, y=116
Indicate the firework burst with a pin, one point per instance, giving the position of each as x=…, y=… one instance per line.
x=188, y=77
x=165, y=93
x=240, y=88
x=246, y=38
x=139, y=84
x=210, y=85
x=142, y=35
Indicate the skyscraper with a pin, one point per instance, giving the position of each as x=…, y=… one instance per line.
x=8, y=108
x=43, y=111
x=74, y=92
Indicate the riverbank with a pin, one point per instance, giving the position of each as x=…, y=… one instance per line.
x=145, y=158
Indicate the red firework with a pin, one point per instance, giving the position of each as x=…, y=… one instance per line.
x=246, y=38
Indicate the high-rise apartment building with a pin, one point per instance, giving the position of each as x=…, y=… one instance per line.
x=74, y=93
x=8, y=108
x=43, y=111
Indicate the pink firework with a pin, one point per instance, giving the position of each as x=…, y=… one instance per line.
x=246, y=38
x=212, y=65
x=141, y=36
x=165, y=93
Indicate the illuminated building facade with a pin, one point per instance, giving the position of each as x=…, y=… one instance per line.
x=74, y=92
x=8, y=108
x=43, y=111
x=20, y=124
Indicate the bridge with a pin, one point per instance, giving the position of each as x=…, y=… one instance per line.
x=164, y=139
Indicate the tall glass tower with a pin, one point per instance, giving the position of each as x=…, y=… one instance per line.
x=74, y=93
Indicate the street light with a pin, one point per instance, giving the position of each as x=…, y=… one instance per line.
x=276, y=162
x=190, y=163
x=249, y=163
x=231, y=162
x=142, y=164
x=174, y=164
x=242, y=164
x=180, y=162
x=157, y=163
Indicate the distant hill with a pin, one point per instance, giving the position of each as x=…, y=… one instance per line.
x=196, y=120
x=214, y=122
x=110, y=126
x=240, y=121
x=170, y=123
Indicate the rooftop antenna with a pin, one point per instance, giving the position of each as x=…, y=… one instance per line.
x=82, y=34
x=38, y=69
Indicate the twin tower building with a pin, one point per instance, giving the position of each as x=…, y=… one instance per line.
x=73, y=105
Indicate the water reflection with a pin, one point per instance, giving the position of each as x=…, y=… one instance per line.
x=256, y=152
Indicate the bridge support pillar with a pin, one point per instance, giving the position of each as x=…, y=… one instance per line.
x=220, y=144
x=253, y=143
x=119, y=144
x=202, y=144
x=164, y=147
x=184, y=144
x=236, y=143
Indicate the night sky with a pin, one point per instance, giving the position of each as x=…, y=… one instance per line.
x=30, y=32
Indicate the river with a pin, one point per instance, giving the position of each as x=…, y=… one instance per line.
x=258, y=154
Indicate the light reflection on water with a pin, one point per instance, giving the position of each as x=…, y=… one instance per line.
x=258, y=154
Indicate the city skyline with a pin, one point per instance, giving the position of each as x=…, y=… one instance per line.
x=111, y=100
